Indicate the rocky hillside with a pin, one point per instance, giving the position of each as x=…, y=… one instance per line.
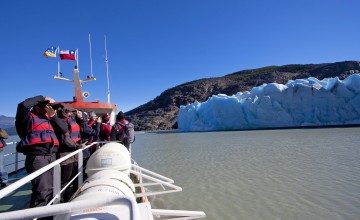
x=8, y=123
x=161, y=112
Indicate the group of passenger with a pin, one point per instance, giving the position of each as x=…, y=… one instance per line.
x=50, y=131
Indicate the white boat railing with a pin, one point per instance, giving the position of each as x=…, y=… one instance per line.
x=147, y=181
x=16, y=161
x=57, y=174
x=150, y=179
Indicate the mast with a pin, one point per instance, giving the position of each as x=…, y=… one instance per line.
x=107, y=72
x=78, y=101
x=77, y=84
x=91, y=72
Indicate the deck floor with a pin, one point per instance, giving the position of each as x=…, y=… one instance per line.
x=20, y=199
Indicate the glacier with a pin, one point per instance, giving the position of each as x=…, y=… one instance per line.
x=298, y=103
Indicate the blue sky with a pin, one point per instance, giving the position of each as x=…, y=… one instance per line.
x=154, y=45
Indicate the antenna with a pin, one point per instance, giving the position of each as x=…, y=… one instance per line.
x=107, y=72
x=91, y=72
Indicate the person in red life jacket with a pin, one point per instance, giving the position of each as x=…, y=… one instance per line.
x=105, y=128
x=123, y=131
x=70, y=141
x=36, y=124
x=88, y=134
x=94, y=123
x=3, y=174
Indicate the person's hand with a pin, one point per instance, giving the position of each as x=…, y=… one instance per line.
x=50, y=100
x=98, y=119
x=83, y=144
x=50, y=111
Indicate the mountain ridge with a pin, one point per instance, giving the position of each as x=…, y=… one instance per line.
x=161, y=112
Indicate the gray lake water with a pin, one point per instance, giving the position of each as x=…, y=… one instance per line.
x=261, y=174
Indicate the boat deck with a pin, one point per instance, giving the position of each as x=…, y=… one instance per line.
x=20, y=199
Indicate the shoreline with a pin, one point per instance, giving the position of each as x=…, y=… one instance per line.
x=273, y=128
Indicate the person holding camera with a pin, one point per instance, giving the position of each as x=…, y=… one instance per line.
x=36, y=124
x=69, y=142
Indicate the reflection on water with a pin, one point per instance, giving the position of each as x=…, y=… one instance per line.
x=262, y=174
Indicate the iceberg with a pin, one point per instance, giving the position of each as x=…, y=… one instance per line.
x=299, y=103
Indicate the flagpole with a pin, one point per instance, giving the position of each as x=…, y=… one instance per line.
x=91, y=72
x=77, y=57
x=58, y=51
x=107, y=72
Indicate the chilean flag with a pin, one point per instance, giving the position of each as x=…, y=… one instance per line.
x=68, y=54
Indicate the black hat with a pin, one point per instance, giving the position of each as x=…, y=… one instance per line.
x=120, y=115
x=42, y=104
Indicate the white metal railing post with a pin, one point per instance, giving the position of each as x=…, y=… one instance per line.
x=80, y=167
x=56, y=183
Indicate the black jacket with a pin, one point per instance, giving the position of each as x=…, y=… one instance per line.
x=23, y=125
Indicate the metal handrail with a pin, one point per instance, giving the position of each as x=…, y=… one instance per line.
x=157, y=182
x=65, y=208
x=57, y=172
x=139, y=169
x=156, y=179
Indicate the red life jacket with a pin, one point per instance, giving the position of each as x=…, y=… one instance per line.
x=41, y=132
x=74, y=129
x=105, y=130
x=120, y=129
x=91, y=122
x=2, y=144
